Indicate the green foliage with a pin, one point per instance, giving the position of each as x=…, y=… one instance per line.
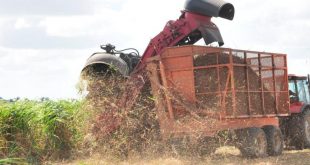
x=13, y=161
x=39, y=130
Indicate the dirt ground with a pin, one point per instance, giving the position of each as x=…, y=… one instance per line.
x=223, y=156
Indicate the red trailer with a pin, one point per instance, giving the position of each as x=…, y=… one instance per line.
x=201, y=91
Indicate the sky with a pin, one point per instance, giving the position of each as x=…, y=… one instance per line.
x=45, y=43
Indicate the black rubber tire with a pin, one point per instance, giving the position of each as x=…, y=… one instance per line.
x=274, y=140
x=306, y=117
x=299, y=130
x=252, y=142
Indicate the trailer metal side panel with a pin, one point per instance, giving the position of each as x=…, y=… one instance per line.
x=203, y=83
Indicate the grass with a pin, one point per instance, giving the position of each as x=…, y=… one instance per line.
x=223, y=155
x=12, y=161
x=33, y=131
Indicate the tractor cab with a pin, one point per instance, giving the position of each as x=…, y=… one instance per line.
x=298, y=92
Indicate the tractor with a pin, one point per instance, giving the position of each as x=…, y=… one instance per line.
x=296, y=127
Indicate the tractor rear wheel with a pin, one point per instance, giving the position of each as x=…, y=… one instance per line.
x=252, y=142
x=307, y=128
x=274, y=140
x=299, y=130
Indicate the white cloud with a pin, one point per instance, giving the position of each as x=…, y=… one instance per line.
x=22, y=23
x=136, y=21
x=38, y=73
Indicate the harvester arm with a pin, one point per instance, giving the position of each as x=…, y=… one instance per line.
x=193, y=24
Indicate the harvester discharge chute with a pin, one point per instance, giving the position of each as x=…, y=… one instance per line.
x=213, y=8
x=193, y=25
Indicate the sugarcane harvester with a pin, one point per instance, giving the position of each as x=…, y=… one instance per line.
x=193, y=24
x=200, y=91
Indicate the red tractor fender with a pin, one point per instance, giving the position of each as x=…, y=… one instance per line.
x=298, y=107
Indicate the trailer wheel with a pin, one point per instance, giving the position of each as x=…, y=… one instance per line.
x=252, y=142
x=299, y=130
x=274, y=140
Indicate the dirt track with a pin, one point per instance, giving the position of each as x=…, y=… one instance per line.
x=224, y=155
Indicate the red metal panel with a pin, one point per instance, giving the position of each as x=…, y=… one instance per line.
x=234, y=88
x=183, y=81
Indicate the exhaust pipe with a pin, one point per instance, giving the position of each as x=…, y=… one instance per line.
x=212, y=8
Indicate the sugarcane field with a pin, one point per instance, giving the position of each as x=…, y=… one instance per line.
x=154, y=82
